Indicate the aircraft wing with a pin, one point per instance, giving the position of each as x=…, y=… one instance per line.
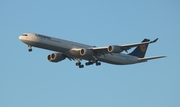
x=149, y=58
x=100, y=50
x=129, y=46
x=104, y=50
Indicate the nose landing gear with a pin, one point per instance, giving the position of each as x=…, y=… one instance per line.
x=30, y=48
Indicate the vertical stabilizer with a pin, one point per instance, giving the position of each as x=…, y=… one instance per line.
x=140, y=51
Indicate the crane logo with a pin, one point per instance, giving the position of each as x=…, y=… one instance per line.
x=143, y=48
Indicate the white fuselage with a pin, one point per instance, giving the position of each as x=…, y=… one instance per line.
x=67, y=48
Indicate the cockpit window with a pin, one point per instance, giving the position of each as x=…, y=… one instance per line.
x=24, y=35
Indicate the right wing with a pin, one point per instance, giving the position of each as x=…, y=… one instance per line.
x=129, y=46
x=104, y=50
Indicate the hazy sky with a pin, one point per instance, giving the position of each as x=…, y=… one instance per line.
x=30, y=80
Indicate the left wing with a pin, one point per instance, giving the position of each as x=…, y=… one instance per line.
x=149, y=58
x=118, y=48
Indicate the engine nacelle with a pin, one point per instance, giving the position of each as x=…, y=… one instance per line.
x=114, y=49
x=56, y=57
x=86, y=52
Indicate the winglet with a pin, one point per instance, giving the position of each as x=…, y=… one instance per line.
x=154, y=40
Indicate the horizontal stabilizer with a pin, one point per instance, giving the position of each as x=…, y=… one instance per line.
x=150, y=58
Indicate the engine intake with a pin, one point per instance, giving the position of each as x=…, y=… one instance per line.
x=86, y=52
x=55, y=57
x=114, y=49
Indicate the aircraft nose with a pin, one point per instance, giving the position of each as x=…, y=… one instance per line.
x=20, y=37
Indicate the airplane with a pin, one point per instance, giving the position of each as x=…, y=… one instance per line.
x=93, y=55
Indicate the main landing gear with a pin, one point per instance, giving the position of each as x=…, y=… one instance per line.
x=98, y=63
x=88, y=63
x=79, y=64
x=91, y=63
x=30, y=48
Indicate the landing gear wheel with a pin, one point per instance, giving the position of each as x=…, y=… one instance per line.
x=98, y=63
x=89, y=63
x=30, y=50
x=81, y=66
x=78, y=63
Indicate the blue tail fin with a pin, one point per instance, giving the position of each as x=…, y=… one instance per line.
x=140, y=51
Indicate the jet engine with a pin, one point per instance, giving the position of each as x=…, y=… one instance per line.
x=86, y=52
x=55, y=57
x=114, y=49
